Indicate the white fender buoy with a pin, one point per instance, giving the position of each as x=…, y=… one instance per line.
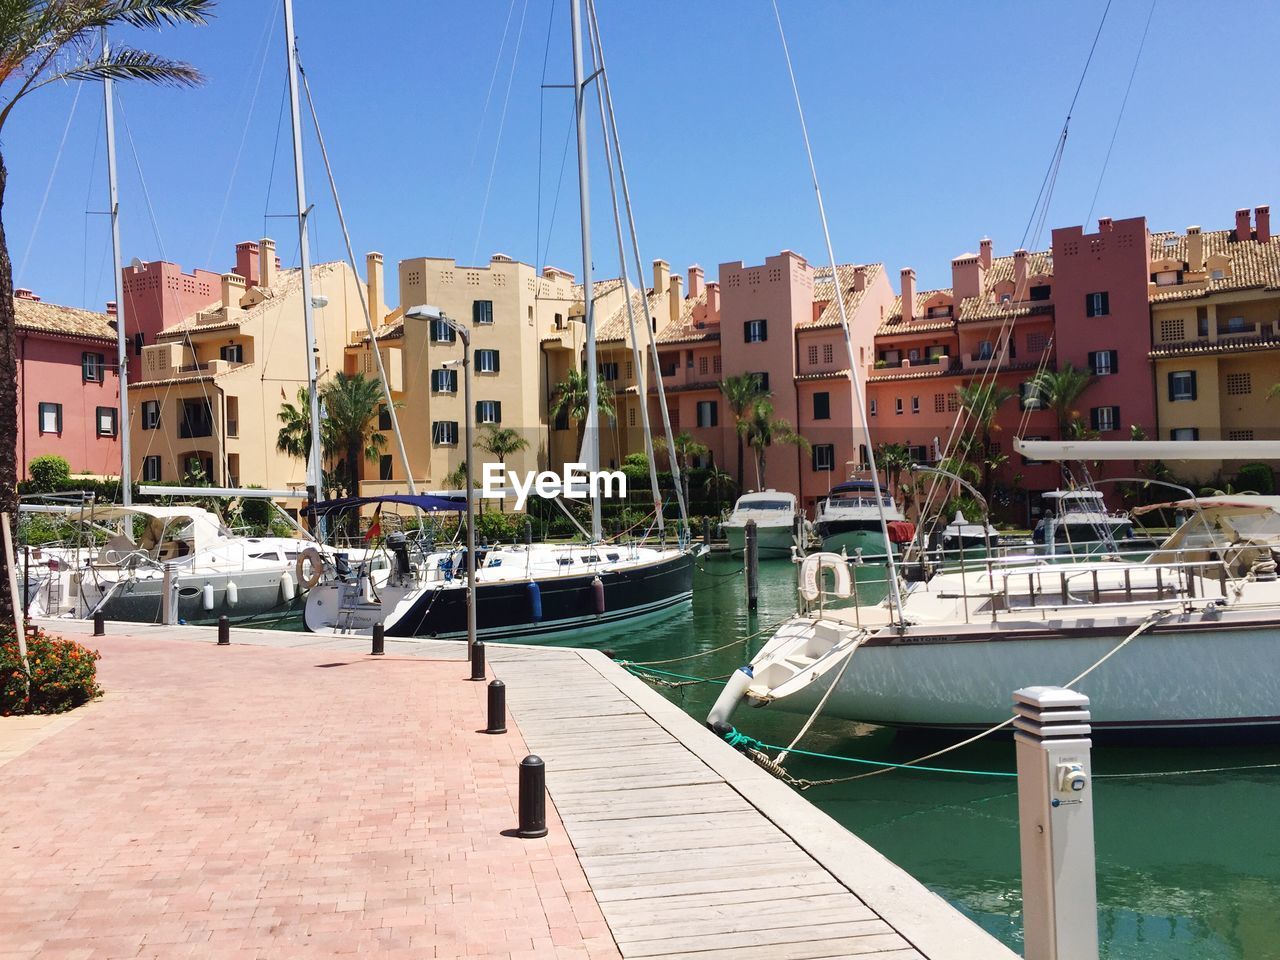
x=287, y=588
x=811, y=575
x=206, y=596
x=233, y=593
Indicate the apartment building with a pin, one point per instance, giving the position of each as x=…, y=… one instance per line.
x=212, y=382
x=68, y=385
x=1215, y=330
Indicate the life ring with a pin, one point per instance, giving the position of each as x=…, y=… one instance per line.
x=308, y=567
x=811, y=575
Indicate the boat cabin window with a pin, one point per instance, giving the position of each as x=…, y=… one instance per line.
x=565, y=561
x=611, y=556
x=590, y=558
x=765, y=505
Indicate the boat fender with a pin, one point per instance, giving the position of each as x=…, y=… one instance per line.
x=811, y=575
x=206, y=596
x=287, y=588
x=233, y=593
x=597, y=594
x=308, y=567
x=730, y=698
x=535, y=601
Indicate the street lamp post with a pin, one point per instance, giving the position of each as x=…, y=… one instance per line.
x=435, y=314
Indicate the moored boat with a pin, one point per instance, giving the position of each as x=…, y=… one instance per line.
x=775, y=517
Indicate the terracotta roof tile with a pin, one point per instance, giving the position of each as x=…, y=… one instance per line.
x=288, y=282
x=66, y=321
x=824, y=290
x=1252, y=265
x=1189, y=348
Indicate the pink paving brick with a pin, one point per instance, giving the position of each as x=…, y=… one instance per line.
x=245, y=802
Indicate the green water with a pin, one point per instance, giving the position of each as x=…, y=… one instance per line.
x=1188, y=867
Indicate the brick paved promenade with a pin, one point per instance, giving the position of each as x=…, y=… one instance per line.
x=258, y=802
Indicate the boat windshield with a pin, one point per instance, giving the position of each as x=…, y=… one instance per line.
x=855, y=499
x=764, y=505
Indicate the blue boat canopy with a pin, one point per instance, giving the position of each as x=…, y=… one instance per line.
x=423, y=501
x=852, y=485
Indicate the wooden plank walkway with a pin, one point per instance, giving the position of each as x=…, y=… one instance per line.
x=694, y=852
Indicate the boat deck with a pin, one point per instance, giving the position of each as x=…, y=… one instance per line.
x=689, y=849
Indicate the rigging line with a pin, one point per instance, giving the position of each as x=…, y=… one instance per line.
x=88, y=198
x=48, y=187
x=502, y=123
x=855, y=386
x=555, y=203
x=542, y=103
x=244, y=134
x=1120, y=116
x=275, y=153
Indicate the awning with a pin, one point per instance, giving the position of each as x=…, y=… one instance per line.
x=423, y=501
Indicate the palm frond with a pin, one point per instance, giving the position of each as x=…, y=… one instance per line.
x=126, y=63
x=157, y=13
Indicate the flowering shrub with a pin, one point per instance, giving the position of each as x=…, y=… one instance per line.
x=64, y=674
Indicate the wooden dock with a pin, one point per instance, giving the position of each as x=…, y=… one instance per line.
x=690, y=849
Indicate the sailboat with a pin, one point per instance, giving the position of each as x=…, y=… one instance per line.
x=522, y=590
x=1184, y=642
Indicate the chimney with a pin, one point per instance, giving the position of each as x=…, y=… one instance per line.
x=966, y=276
x=984, y=252
x=908, y=294
x=1242, y=224
x=247, y=262
x=675, y=299
x=1195, y=249
x=661, y=274
x=233, y=287
x=375, y=285
x=22, y=293
x=111, y=308
x=1020, y=273
x=695, y=281
x=1104, y=224
x=1262, y=224
x=859, y=278
x=713, y=300
x=267, y=262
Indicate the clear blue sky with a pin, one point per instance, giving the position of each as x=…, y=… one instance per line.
x=932, y=124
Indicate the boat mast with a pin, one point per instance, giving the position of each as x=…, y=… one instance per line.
x=122, y=342
x=314, y=474
x=591, y=435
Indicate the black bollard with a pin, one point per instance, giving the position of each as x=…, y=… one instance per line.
x=751, y=563
x=99, y=624
x=533, y=798
x=224, y=631
x=497, y=707
x=477, y=661
x=377, y=640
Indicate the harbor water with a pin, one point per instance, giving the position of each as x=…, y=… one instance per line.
x=1188, y=865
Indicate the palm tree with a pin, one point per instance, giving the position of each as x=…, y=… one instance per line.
x=43, y=43
x=741, y=392
x=500, y=442
x=570, y=399
x=686, y=448
x=718, y=483
x=763, y=431
x=983, y=400
x=893, y=458
x=351, y=405
x=294, y=436
x=1274, y=391
x=1059, y=390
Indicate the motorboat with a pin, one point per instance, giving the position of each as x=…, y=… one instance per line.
x=962, y=534
x=849, y=520
x=775, y=517
x=522, y=590
x=1078, y=522
x=1183, y=641
x=155, y=564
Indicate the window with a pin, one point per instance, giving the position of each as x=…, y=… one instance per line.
x=762, y=381
x=384, y=417
x=1037, y=342
x=1040, y=292
x=918, y=454
x=985, y=350
x=1030, y=395
x=150, y=414
x=1103, y=363
x=1104, y=419
x=939, y=402
x=914, y=355
x=715, y=363
x=106, y=417
x=1172, y=330
x=631, y=370
x=1216, y=274
x=232, y=353
x=444, y=433
x=871, y=408
x=1168, y=278
x=1027, y=461
x=197, y=418
x=151, y=469
x=822, y=406
x=1202, y=321
x=1237, y=436
x=824, y=457
x=897, y=406
x=444, y=380
x=1097, y=304
x=1239, y=384
x=828, y=353
x=891, y=358
x=482, y=311
x=915, y=404
x=931, y=354
x=489, y=411
x=1182, y=385
x=441, y=332
x=953, y=402
x=943, y=310
x=561, y=421
x=702, y=366
x=708, y=413
x=1235, y=325
x=813, y=354
x=1184, y=433
x=139, y=341
x=384, y=467
x=92, y=367
x=51, y=418
x=559, y=321
x=487, y=361
x=631, y=417
x=608, y=371
x=755, y=331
